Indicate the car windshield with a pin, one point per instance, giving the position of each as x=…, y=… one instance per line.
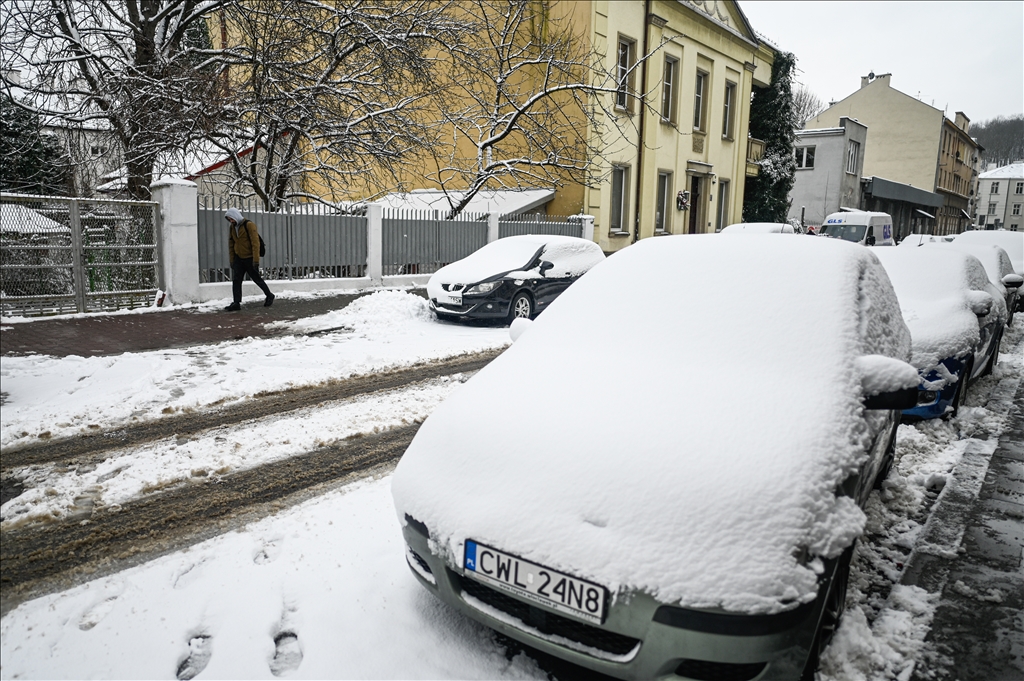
x=848, y=232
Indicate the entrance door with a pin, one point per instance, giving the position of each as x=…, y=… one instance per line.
x=696, y=203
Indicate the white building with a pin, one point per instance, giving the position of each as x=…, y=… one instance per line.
x=829, y=163
x=1000, y=203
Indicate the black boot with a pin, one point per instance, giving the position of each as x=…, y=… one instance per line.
x=269, y=301
x=233, y=307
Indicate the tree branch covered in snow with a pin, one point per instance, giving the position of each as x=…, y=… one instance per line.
x=528, y=104
x=141, y=69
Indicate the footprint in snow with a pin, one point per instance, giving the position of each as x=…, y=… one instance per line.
x=287, y=653
x=200, y=648
x=94, y=615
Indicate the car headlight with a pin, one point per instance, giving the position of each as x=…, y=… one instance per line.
x=926, y=396
x=485, y=287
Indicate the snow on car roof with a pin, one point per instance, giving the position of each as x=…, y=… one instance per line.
x=995, y=260
x=758, y=228
x=654, y=431
x=933, y=285
x=1011, y=242
x=569, y=254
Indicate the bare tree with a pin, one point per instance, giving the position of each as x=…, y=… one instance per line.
x=806, y=105
x=143, y=68
x=1003, y=139
x=329, y=97
x=527, y=104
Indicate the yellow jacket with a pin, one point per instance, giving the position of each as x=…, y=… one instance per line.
x=244, y=241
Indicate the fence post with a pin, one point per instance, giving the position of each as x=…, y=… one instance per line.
x=77, y=254
x=493, y=231
x=375, y=244
x=179, y=238
x=588, y=227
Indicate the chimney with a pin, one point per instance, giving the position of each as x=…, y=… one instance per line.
x=962, y=121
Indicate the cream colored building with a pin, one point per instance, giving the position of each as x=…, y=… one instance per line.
x=687, y=175
x=912, y=143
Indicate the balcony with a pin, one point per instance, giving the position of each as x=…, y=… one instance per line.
x=755, y=151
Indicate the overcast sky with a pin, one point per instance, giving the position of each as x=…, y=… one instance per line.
x=960, y=56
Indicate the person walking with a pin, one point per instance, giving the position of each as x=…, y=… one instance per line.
x=244, y=251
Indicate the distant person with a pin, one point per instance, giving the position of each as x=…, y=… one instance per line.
x=810, y=230
x=244, y=251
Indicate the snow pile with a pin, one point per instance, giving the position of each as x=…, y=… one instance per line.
x=935, y=285
x=662, y=492
x=52, y=397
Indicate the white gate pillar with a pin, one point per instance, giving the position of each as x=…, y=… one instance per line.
x=493, y=228
x=178, y=230
x=375, y=244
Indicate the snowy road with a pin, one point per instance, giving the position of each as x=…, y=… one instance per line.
x=321, y=588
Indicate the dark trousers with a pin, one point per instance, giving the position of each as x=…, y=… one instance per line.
x=241, y=267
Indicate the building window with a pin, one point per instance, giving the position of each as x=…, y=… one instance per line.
x=804, y=157
x=625, y=58
x=991, y=209
x=661, y=211
x=981, y=220
x=852, y=155
x=728, y=107
x=1019, y=188
x=668, y=90
x=700, y=95
x=723, y=205
x=1016, y=209
x=620, y=199
x=97, y=151
x=994, y=189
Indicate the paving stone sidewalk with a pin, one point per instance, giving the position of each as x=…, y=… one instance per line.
x=94, y=335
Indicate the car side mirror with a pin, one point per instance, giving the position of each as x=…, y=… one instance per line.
x=870, y=241
x=545, y=265
x=981, y=302
x=896, y=399
x=518, y=327
x=1013, y=281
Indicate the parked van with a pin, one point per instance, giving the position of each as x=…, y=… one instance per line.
x=862, y=227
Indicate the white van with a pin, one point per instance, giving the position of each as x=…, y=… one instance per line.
x=862, y=227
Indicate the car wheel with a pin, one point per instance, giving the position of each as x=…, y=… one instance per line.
x=887, y=461
x=831, y=615
x=522, y=306
x=961, y=390
x=991, y=364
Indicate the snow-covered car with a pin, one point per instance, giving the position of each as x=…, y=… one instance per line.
x=643, y=517
x=916, y=240
x=999, y=269
x=758, y=228
x=955, y=316
x=1011, y=242
x=518, y=276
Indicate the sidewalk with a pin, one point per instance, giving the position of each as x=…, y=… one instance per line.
x=90, y=336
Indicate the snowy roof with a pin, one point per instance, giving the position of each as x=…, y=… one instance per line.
x=1012, y=171
x=23, y=220
x=696, y=469
x=934, y=285
x=178, y=164
x=501, y=201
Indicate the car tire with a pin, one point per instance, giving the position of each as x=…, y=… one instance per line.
x=831, y=615
x=961, y=390
x=522, y=306
x=994, y=357
x=887, y=461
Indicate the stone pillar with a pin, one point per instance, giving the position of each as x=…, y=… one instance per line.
x=178, y=230
x=375, y=244
x=588, y=227
x=493, y=232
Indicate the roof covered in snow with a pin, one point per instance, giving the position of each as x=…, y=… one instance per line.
x=501, y=201
x=1012, y=171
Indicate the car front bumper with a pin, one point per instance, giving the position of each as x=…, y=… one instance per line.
x=475, y=308
x=640, y=638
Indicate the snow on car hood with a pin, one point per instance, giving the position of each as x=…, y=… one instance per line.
x=1011, y=242
x=934, y=285
x=570, y=255
x=677, y=422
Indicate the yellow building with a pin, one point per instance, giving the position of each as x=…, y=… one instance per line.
x=680, y=167
x=912, y=143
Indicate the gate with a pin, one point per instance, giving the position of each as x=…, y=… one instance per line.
x=60, y=255
x=516, y=225
x=420, y=242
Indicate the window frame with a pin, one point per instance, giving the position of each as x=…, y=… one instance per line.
x=621, y=196
x=700, y=97
x=852, y=157
x=625, y=73
x=729, y=110
x=669, y=87
x=1015, y=210
x=1019, y=188
x=663, y=205
x=800, y=155
x=991, y=209
x=993, y=188
x=723, y=204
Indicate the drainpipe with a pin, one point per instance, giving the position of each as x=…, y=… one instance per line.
x=643, y=115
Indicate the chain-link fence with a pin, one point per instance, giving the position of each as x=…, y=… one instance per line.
x=61, y=255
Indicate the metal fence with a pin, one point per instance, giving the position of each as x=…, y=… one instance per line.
x=61, y=254
x=422, y=242
x=304, y=241
x=516, y=225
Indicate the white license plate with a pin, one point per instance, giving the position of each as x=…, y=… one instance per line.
x=544, y=586
x=454, y=299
